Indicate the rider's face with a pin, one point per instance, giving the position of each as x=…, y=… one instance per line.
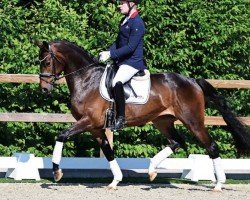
x=124, y=7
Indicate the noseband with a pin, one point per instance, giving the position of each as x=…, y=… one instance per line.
x=55, y=77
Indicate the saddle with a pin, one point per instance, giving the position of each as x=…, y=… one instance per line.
x=136, y=90
x=111, y=72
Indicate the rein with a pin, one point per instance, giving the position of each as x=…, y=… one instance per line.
x=53, y=74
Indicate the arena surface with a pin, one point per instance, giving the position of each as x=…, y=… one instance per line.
x=41, y=191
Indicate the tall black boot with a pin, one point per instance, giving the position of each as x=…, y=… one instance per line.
x=120, y=105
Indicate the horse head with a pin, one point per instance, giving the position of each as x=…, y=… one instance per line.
x=61, y=56
x=52, y=64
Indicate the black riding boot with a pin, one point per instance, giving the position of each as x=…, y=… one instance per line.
x=120, y=105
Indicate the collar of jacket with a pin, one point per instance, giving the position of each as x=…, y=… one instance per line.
x=134, y=14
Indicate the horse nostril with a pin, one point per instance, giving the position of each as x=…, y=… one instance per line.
x=45, y=90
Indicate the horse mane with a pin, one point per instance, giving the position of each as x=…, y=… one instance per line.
x=79, y=49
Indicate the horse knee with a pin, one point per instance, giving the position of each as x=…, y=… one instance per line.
x=174, y=146
x=213, y=151
x=61, y=138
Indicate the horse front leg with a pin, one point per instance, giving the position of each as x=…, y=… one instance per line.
x=78, y=127
x=109, y=154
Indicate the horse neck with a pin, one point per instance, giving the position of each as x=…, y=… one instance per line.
x=83, y=76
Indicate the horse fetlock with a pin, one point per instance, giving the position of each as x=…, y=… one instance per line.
x=152, y=167
x=218, y=187
x=116, y=170
x=57, y=155
x=219, y=170
x=113, y=185
x=152, y=176
x=152, y=171
x=118, y=176
x=57, y=175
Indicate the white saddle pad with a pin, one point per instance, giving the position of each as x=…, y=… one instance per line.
x=141, y=86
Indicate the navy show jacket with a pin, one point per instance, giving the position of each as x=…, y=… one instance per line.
x=128, y=48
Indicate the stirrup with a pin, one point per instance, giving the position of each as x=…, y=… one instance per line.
x=119, y=123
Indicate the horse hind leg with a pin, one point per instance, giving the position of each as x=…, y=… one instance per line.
x=195, y=124
x=165, y=124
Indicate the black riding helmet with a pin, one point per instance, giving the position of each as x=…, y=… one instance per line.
x=135, y=1
x=130, y=7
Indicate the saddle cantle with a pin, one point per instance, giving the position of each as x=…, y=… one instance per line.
x=136, y=90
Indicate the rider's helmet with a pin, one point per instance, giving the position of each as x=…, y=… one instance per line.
x=130, y=7
x=135, y=1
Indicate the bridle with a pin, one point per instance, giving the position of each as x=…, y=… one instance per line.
x=55, y=77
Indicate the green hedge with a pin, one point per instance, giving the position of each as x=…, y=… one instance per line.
x=196, y=38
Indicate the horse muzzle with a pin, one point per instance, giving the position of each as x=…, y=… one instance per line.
x=46, y=88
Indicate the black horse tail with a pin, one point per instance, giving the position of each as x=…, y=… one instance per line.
x=235, y=126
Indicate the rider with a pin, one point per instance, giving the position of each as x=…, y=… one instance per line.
x=127, y=52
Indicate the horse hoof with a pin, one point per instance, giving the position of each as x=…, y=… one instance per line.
x=152, y=176
x=217, y=190
x=58, y=175
x=111, y=187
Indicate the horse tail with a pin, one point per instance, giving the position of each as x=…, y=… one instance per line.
x=235, y=126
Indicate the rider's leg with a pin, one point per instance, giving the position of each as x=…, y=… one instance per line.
x=120, y=106
x=124, y=74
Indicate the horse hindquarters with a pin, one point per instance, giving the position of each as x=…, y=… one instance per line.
x=240, y=135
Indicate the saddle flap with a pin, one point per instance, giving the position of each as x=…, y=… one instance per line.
x=136, y=90
x=111, y=71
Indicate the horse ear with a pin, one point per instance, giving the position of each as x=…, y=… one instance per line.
x=40, y=44
x=45, y=45
x=37, y=43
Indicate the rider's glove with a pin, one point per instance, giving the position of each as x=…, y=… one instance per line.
x=104, y=56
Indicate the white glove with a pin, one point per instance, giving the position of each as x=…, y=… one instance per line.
x=104, y=56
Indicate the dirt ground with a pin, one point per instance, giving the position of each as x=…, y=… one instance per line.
x=47, y=191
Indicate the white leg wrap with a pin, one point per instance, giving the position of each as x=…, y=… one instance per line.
x=57, y=153
x=158, y=158
x=219, y=171
x=116, y=171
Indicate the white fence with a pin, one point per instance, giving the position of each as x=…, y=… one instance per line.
x=196, y=167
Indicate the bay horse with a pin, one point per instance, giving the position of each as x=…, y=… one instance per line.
x=172, y=97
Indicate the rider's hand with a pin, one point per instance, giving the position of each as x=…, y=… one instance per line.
x=104, y=56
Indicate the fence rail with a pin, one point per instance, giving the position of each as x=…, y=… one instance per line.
x=32, y=78
x=52, y=117
x=59, y=118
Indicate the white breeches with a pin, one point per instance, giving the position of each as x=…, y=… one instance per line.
x=124, y=74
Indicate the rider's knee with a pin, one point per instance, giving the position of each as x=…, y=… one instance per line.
x=116, y=83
